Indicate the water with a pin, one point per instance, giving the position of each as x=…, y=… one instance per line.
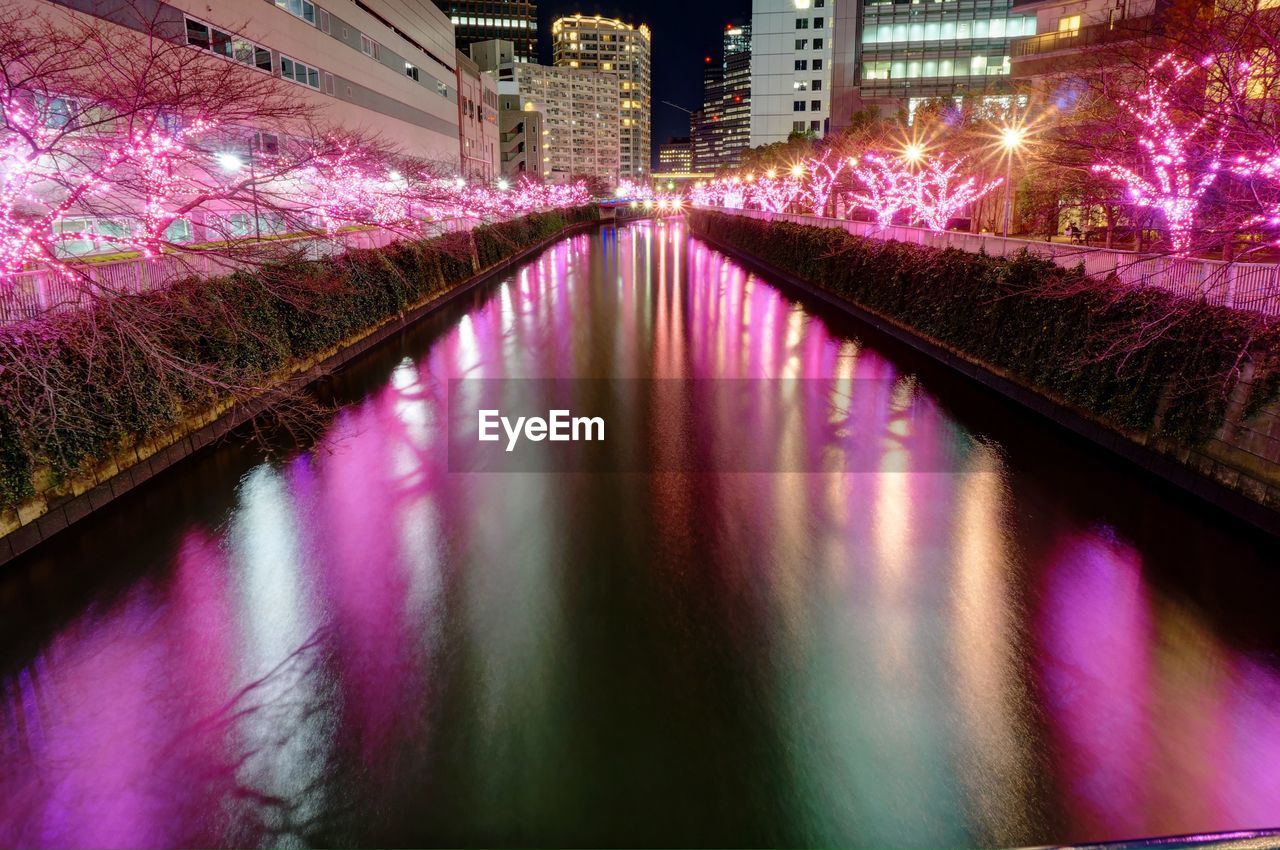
x=351, y=645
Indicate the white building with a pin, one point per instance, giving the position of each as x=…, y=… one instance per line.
x=790, y=68
x=382, y=66
x=580, y=119
x=477, y=120
x=607, y=44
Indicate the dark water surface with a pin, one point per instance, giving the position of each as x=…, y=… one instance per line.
x=352, y=645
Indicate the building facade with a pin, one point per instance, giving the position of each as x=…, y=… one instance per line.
x=735, y=110
x=521, y=138
x=897, y=55
x=676, y=156
x=581, y=117
x=477, y=120
x=515, y=21
x=705, y=124
x=360, y=65
x=791, y=49
x=613, y=46
x=1068, y=33
x=364, y=65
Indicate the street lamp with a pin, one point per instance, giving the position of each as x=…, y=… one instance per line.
x=232, y=163
x=913, y=153
x=1011, y=139
x=797, y=170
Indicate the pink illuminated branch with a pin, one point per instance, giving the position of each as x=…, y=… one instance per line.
x=1177, y=159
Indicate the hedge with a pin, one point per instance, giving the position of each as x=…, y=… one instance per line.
x=74, y=388
x=1139, y=359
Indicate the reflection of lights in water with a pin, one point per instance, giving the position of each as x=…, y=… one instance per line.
x=286, y=736
x=987, y=693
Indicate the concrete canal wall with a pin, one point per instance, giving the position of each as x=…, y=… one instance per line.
x=1233, y=462
x=58, y=504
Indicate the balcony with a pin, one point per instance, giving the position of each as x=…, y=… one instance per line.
x=1095, y=35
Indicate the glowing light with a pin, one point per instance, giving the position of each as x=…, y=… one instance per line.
x=1177, y=159
x=1011, y=138
x=913, y=152
x=230, y=162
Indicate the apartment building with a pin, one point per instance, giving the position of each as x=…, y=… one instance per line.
x=791, y=49
x=521, y=139
x=614, y=46
x=477, y=120
x=581, y=118
x=514, y=21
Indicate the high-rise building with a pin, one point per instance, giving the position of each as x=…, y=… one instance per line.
x=580, y=114
x=616, y=47
x=705, y=125
x=515, y=21
x=735, y=109
x=791, y=46
x=897, y=55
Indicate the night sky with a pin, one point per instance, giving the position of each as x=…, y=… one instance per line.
x=684, y=31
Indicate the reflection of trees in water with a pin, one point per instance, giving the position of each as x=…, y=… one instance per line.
x=279, y=782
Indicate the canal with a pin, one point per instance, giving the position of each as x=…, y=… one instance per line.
x=986, y=633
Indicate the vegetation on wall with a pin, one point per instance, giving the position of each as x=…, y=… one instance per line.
x=76, y=387
x=1141, y=360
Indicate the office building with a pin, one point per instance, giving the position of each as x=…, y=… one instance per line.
x=897, y=55
x=515, y=21
x=676, y=156
x=1069, y=35
x=705, y=124
x=791, y=48
x=613, y=46
x=735, y=110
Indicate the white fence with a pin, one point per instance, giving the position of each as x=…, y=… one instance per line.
x=1243, y=286
x=35, y=293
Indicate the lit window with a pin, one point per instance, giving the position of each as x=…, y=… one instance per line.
x=1069, y=23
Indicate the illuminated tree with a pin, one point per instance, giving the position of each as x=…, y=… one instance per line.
x=938, y=193
x=1178, y=156
x=823, y=172
x=888, y=187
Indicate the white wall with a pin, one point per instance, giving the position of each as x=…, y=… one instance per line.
x=773, y=72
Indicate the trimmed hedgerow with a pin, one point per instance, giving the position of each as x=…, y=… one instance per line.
x=1141, y=360
x=75, y=387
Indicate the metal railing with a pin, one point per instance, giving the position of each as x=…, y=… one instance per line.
x=1253, y=287
x=51, y=290
x=1088, y=36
